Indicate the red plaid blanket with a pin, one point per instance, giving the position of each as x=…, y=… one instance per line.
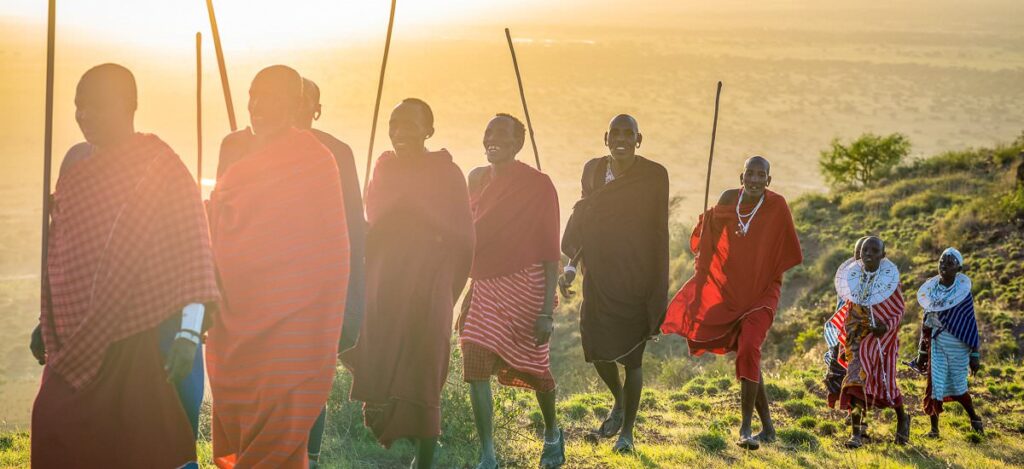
x=129, y=247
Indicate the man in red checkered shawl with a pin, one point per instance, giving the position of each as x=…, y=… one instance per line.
x=129, y=249
x=507, y=318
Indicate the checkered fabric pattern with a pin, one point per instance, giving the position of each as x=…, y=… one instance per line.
x=129, y=247
x=498, y=338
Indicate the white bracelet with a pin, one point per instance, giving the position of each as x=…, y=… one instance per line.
x=188, y=336
x=569, y=268
x=191, y=322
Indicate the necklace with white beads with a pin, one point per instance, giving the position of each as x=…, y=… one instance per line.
x=744, y=226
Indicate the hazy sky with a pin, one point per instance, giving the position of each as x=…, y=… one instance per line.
x=277, y=23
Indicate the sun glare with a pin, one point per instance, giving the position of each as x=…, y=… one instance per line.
x=246, y=24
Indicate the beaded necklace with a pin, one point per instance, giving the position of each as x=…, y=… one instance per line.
x=744, y=227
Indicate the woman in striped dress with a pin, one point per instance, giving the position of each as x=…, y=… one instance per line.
x=949, y=340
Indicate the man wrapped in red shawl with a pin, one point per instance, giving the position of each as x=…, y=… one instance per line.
x=419, y=248
x=281, y=246
x=129, y=249
x=743, y=245
x=507, y=317
x=619, y=232
x=868, y=324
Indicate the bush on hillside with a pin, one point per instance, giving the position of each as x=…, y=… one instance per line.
x=869, y=158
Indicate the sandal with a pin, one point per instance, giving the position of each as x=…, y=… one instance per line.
x=934, y=434
x=553, y=454
x=623, y=446
x=978, y=427
x=748, y=443
x=612, y=424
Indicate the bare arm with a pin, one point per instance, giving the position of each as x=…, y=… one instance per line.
x=545, y=323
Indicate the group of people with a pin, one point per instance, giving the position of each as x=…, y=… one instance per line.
x=287, y=269
x=863, y=340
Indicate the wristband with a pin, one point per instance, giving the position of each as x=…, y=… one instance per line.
x=974, y=355
x=569, y=268
x=192, y=317
x=191, y=336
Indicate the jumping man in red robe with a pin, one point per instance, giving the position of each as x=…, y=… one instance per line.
x=743, y=245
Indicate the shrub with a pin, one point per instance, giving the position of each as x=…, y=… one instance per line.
x=800, y=438
x=698, y=405
x=922, y=202
x=676, y=373
x=649, y=400
x=807, y=421
x=573, y=410
x=776, y=392
x=828, y=428
x=869, y=158
x=678, y=396
x=798, y=407
x=807, y=339
x=711, y=442
x=694, y=389
x=723, y=383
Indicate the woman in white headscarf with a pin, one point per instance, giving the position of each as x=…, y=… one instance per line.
x=949, y=340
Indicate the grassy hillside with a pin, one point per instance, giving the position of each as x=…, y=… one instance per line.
x=690, y=411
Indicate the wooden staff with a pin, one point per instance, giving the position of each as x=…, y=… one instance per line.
x=220, y=64
x=199, y=110
x=522, y=96
x=376, y=104
x=711, y=156
x=51, y=32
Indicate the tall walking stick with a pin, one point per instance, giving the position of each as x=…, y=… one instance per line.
x=711, y=155
x=711, y=159
x=199, y=110
x=522, y=96
x=51, y=32
x=220, y=64
x=376, y=104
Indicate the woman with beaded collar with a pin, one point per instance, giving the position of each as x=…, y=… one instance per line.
x=949, y=340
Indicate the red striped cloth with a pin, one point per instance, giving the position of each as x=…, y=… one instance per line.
x=501, y=317
x=281, y=245
x=873, y=366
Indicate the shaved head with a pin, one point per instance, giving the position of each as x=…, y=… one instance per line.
x=759, y=161
x=624, y=120
x=105, y=102
x=275, y=98
x=623, y=137
x=874, y=240
x=755, y=178
x=110, y=81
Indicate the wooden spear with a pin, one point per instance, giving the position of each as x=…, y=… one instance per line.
x=220, y=64
x=522, y=97
x=376, y=104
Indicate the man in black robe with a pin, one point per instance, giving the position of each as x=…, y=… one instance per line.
x=618, y=232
